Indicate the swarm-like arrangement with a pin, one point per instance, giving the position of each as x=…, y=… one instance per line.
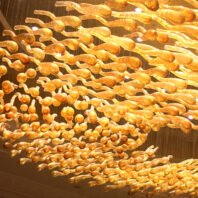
x=84, y=98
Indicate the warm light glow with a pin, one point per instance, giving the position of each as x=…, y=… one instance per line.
x=83, y=109
x=34, y=28
x=139, y=39
x=138, y=10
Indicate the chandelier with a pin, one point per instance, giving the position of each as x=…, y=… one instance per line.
x=86, y=98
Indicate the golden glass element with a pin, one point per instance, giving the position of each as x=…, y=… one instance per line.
x=79, y=107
